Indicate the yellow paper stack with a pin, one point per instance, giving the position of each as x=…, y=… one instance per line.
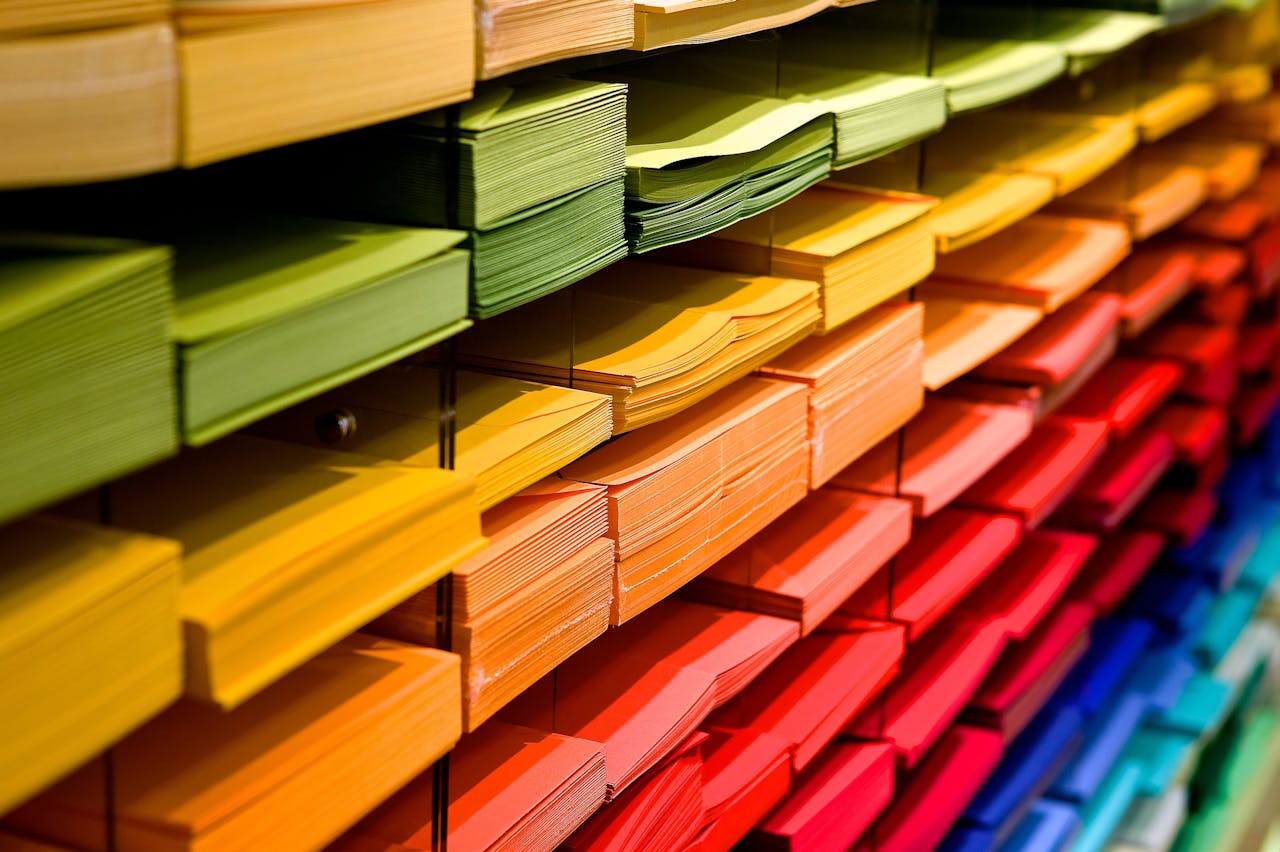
x=95, y=104
x=862, y=247
x=1146, y=195
x=515, y=34
x=508, y=433
x=1070, y=149
x=90, y=644
x=291, y=769
x=656, y=338
x=288, y=549
x=28, y=17
x=662, y=23
x=864, y=382
x=540, y=591
x=261, y=73
x=973, y=205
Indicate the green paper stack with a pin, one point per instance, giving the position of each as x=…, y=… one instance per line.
x=1086, y=36
x=980, y=73
x=701, y=159
x=533, y=171
x=876, y=111
x=273, y=309
x=86, y=364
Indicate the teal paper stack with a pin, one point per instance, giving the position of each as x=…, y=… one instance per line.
x=86, y=364
x=273, y=309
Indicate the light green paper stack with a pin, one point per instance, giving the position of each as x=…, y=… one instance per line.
x=533, y=171
x=701, y=159
x=86, y=364
x=875, y=111
x=1086, y=36
x=271, y=310
x=980, y=73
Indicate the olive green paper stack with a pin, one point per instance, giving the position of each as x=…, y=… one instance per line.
x=86, y=364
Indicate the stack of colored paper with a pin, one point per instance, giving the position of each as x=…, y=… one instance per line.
x=745, y=773
x=86, y=106
x=862, y=247
x=875, y=112
x=1156, y=107
x=513, y=35
x=1044, y=367
x=507, y=433
x=1070, y=149
x=835, y=802
x=1126, y=393
x=27, y=18
x=682, y=661
x=981, y=73
x=1086, y=36
x=939, y=790
x=944, y=670
x=293, y=768
x=1231, y=166
x=1124, y=476
x=944, y=450
x=864, y=383
x=264, y=74
x=1034, y=480
x=700, y=159
x=1258, y=120
x=288, y=549
x=1206, y=353
x=539, y=592
x=683, y=495
x=811, y=692
x=808, y=562
x=656, y=338
x=510, y=787
x=1056, y=348
x=88, y=365
x=878, y=106
x=662, y=23
x=534, y=172
x=272, y=310
x=663, y=810
x=1150, y=281
x=1043, y=261
x=1147, y=195
x=960, y=334
x=974, y=205
x=88, y=609
x=948, y=555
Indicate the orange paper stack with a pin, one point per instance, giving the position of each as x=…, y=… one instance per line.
x=292, y=768
x=863, y=380
x=540, y=591
x=943, y=451
x=510, y=788
x=686, y=493
x=1146, y=195
x=808, y=562
x=1043, y=261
